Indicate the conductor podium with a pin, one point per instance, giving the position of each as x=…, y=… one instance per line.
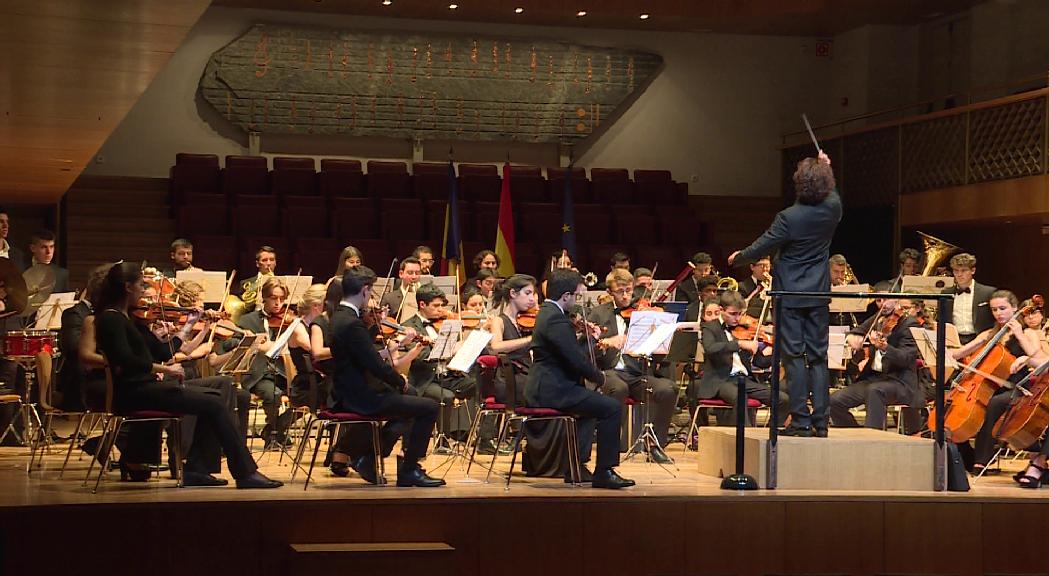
x=849, y=459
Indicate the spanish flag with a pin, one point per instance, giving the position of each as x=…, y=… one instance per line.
x=452, y=252
x=504, y=235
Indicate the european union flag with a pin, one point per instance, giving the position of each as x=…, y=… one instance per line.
x=568, y=218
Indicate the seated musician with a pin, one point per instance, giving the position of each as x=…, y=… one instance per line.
x=42, y=250
x=908, y=259
x=350, y=258
x=425, y=256
x=400, y=301
x=264, y=379
x=618, y=261
x=71, y=383
x=429, y=378
x=559, y=260
x=725, y=357
x=685, y=345
x=307, y=387
x=688, y=289
x=1034, y=319
x=889, y=374
x=624, y=375
x=753, y=288
x=355, y=359
x=135, y=387
x=484, y=281
x=486, y=259
x=1037, y=472
x=515, y=296
x=642, y=282
x=250, y=288
x=181, y=257
x=1022, y=344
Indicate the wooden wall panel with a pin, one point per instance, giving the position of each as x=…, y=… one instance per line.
x=933, y=538
x=815, y=540
x=744, y=538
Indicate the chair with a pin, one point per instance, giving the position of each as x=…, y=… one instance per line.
x=294, y=177
x=656, y=187
x=486, y=222
x=44, y=381
x=194, y=174
x=354, y=218
x=113, y=423
x=430, y=180
x=257, y=216
x=246, y=175
x=480, y=182
x=304, y=216
x=523, y=415
x=388, y=180
x=341, y=179
x=635, y=227
x=526, y=188
x=401, y=217
x=202, y=214
x=713, y=404
x=539, y=221
x=214, y=252
x=6, y=399
x=332, y=422
x=581, y=191
x=317, y=256
x=612, y=186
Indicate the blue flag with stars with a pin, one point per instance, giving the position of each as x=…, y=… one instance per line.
x=568, y=218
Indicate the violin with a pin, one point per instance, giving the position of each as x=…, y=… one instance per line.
x=396, y=328
x=526, y=319
x=884, y=326
x=281, y=319
x=749, y=328
x=641, y=305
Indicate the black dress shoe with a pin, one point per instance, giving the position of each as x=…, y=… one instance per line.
x=819, y=432
x=799, y=431
x=340, y=469
x=258, y=480
x=585, y=476
x=610, y=479
x=198, y=479
x=90, y=446
x=657, y=455
x=365, y=468
x=417, y=477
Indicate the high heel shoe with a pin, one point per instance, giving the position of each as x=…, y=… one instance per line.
x=1029, y=481
x=128, y=474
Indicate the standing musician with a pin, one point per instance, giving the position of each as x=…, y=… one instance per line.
x=400, y=301
x=969, y=311
x=425, y=256
x=264, y=379
x=1023, y=344
x=424, y=374
x=555, y=380
x=688, y=290
x=909, y=258
x=889, y=374
x=357, y=361
x=349, y=258
x=725, y=357
x=266, y=264
x=135, y=387
x=181, y=257
x=623, y=373
x=753, y=288
x=802, y=234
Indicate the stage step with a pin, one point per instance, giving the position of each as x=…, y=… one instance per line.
x=849, y=459
x=373, y=558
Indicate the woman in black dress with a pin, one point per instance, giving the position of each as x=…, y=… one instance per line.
x=135, y=387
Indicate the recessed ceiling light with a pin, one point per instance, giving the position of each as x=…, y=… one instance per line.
x=581, y=13
x=644, y=16
x=387, y=2
x=453, y=6
x=518, y=10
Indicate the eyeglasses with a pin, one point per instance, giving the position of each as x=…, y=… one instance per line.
x=621, y=292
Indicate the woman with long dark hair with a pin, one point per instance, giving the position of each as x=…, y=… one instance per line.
x=135, y=388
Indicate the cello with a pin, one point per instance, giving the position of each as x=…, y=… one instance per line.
x=1028, y=414
x=973, y=386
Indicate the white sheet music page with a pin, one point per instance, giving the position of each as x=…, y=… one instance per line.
x=466, y=356
x=643, y=326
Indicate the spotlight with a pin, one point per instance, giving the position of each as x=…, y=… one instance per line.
x=453, y=6
x=644, y=16
x=387, y=2
x=518, y=10
x=581, y=13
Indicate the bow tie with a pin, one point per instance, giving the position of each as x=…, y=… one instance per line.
x=427, y=323
x=965, y=290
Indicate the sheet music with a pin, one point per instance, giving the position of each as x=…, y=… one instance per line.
x=846, y=305
x=49, y=315
x=214, y=283
x=645, y=324
x=282, y=341
x=297, y=286
x=838, y=351
x=473, y=347
x=926, y=341
x=447, y=340
x=659, y=287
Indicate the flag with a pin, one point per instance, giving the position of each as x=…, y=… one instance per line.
x=452, y=252
x=568, y=217
x=504, y=234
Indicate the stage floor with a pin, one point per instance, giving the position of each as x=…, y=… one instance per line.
x=43, y=488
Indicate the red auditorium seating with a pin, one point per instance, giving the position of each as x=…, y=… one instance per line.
x=203, y=214
x=538, y=222
x=377, y=253
x=318, y=257
x=354, y=218
x=479, y=182
x=612, y=186
x=341, y=179
x=194, y=174
x=580, y=185
x=294, y=177
x=594, y=227
x=635, y=228
x=527, y=185
x=657, y=187
x=401, y=217
x=256, y=216
x=388, y=180
x=526, y=259
x=681, y=229
x=303, y=218
x=215, y=252
x=598, y=257
x=246, y=175
x=435, y=214
x=670, y=258
x=485, y=222
x=430, y=180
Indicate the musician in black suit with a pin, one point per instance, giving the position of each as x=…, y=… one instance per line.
x=890, y=375
x=688, y=290
x=726, y=357
x=400, y=306
x=802, y=234
x=423, y=374
x=364, y=384
x=8, y=250
x=908, y=259
x=556, y=379
x=249, y=289
x=72, y=377
x=623, y=373
x=752, y=288
x=969, y=311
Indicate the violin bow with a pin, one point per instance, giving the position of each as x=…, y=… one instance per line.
x=225, y=294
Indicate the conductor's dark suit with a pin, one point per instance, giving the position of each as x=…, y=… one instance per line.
x=627, y=381
x=555, y=381
x=718, y=381
x=356, y=359
x=896, y=383
x=802, y=235
x=983, y=319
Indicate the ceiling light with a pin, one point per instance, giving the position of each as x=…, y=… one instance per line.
x=453, y=6
x=581, y=13
x=387, y=2
x=644, y=16
x=518, y=10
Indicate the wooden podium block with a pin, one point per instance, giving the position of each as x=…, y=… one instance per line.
x=849, y=459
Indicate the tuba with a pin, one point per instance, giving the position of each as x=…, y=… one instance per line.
x=937, y=253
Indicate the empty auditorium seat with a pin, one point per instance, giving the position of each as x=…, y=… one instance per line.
x=485, y=222
x=215, y=252
x=681, y=228
x=246, y=175
x=203, y=214
x=580, y=185
x=303, y=218
x=671, y=259
x=430, y=180
x=435, y=215
x=656, y=187
x=538, y=222
x=612, y=186
x=354, y=218
x=594, y=227
x=318, y=257
x=194, y=174
x=526, y=259
x=341, y=179
x=294, y=177
x=401, y=218
x=635, y=227
x=527, y=188
x=256, y=216
x=388, y=180
x=526, y=170
x=480, y=182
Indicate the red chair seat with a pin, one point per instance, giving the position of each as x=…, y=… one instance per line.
x=719, y=403
x=152, y=414
x=490, y=403
x=523, y=411
x=347, y=417
x=631, y=402
x=488, y=361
